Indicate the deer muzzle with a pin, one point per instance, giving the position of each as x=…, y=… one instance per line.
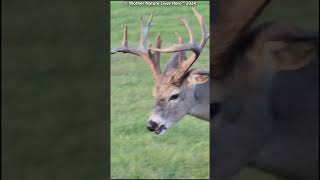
x=154, y=127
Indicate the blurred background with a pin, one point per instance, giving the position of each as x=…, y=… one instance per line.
x=304, y=14
x=183, y=152
x=54, y=90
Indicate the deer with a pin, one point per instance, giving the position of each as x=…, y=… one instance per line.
x=262, y=99
x=178, y=90
x=264, y=94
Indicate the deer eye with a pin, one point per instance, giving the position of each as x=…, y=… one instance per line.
x=174, y=97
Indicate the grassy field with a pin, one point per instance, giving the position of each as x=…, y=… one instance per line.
x=183, y=152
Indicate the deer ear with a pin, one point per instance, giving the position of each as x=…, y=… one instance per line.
x=288, y=55
x=198, y=77
x=173, y=63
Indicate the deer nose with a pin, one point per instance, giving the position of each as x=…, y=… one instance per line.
x=152, y=126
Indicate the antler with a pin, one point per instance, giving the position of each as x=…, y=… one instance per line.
x=151, y=58
x=191, y=46
x=230, y=19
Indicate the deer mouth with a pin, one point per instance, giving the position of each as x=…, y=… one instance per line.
x=160, y=130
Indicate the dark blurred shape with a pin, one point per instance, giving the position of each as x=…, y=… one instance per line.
x=54, y=90
x=268, y=89
x=151, y=126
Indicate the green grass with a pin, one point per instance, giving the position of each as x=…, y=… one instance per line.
x=183, y=152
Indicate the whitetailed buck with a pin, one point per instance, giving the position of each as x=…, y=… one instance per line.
x=265, y=92
x=178, y=90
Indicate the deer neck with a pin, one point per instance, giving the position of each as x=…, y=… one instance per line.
x=201, y=108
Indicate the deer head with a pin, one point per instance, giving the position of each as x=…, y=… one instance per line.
x=174, y=88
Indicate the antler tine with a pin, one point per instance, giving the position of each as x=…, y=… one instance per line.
x=191, y=46
x=189, y=29
x=145, y=31
x=125, y=37
x=143, y=51
x=156, y=55
x=204, y=32
x=182, y=54
x=124, y=42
